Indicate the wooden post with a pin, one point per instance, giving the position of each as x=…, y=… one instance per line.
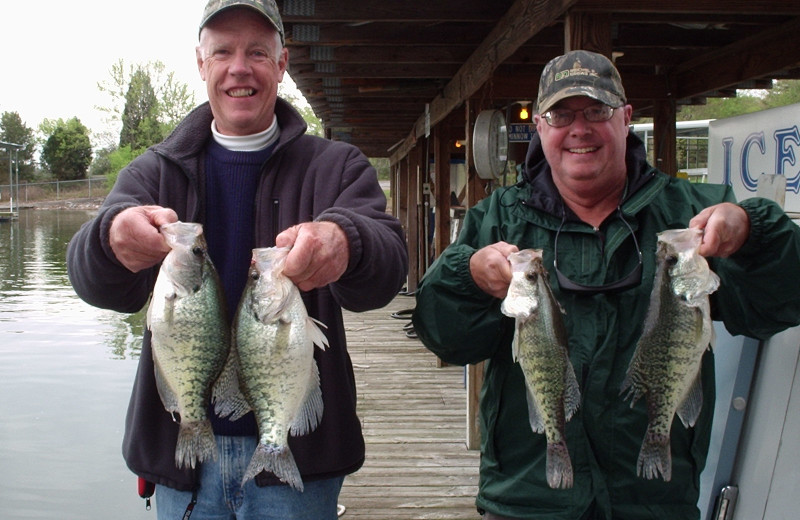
x=664, y=136
x=474, y=373
x=474, y=384
x=441, y=188
x=588, y=31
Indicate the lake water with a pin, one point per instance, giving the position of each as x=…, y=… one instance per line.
x=66, y=371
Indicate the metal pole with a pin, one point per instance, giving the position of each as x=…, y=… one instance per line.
x=11, y=188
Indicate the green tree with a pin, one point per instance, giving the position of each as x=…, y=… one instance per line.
x=140, y=125
x=118, y=159
x=783, y=92
x=13, y=130
x=302, y=106
x=101, y=164
x=381, y=165
x=175, y=100
x=67, y=152
x=717, y=108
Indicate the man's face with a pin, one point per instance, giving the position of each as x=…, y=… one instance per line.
x=241, y=60
x=585, y=154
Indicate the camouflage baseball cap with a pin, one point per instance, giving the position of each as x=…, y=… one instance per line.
x=580, y=73
x=267, y=8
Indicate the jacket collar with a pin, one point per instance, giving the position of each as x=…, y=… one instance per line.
x=190, y=136
x=543, y=194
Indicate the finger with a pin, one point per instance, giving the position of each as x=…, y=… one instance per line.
x=162, y=216
x=299, y=258
x=287, y=237
x=700, y=220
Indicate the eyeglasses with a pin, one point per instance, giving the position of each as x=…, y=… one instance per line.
x=630, y=280
x=561, y=117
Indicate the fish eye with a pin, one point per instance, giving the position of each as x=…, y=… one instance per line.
x=198, y=251
x=672, y=260
x=254, y=275
x=530, y=275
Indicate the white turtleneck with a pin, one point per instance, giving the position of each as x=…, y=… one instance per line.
x=248, y=143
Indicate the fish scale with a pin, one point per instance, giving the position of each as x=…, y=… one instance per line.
x=190, y=338
x=540, y=348
x=665, y=367
x=272, y=369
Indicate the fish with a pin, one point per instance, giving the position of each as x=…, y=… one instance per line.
x=190, y=338
x=540, y=348
x=273, y=341
x=665, y=367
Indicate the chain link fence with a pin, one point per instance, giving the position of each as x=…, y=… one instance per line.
x=55, y=190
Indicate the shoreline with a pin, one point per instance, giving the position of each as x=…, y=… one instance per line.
x=77, y=203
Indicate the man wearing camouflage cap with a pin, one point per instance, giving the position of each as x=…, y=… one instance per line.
x=243, y=166
x=591, y=202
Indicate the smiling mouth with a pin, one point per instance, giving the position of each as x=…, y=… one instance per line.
x=583, y=150
x=241, y=92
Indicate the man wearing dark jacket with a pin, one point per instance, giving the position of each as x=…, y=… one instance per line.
x=242, y=166
x=591, y=202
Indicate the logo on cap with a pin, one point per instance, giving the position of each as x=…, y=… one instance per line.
x=576, y=70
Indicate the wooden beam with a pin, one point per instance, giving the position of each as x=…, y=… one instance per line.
x=588, y=31
x=375, y=70
x=358, y=11
x=749, y=58
x=523, y=20
x=692, y=6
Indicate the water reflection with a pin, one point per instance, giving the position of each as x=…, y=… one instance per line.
x=65, y=376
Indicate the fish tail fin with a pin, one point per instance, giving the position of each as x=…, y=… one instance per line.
x=277, y=460
x=655, y=457
x=195, y=443
x=559, y=466
x=315, y=334
x=310, y=414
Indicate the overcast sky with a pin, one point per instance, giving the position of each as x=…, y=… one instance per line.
x=54, y=52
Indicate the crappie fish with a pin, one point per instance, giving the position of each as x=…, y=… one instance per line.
x=273, y=345
x=665, y=367
x=190, y=338
x=540, y=348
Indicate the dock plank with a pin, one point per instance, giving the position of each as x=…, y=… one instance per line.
x=413, y=415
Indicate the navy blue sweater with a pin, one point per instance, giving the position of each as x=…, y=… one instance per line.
x=231, y=181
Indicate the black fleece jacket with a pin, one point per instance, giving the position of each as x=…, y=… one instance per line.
x=306, y=178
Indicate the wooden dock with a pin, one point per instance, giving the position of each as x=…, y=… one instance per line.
x=6, y=215
x=414, y=420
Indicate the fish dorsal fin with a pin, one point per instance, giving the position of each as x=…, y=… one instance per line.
x=315, y=334
x=310, y=414
x=689, y=408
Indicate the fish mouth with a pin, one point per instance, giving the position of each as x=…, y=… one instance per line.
x=241, y=92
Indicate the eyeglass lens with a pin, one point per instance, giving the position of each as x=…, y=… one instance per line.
x=594, y=113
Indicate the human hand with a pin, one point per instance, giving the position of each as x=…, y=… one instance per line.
x=135, y=238
x=725, y=226
x=319, y=253
x=491, y=270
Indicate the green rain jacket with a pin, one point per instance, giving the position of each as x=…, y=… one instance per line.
x=758, y=296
